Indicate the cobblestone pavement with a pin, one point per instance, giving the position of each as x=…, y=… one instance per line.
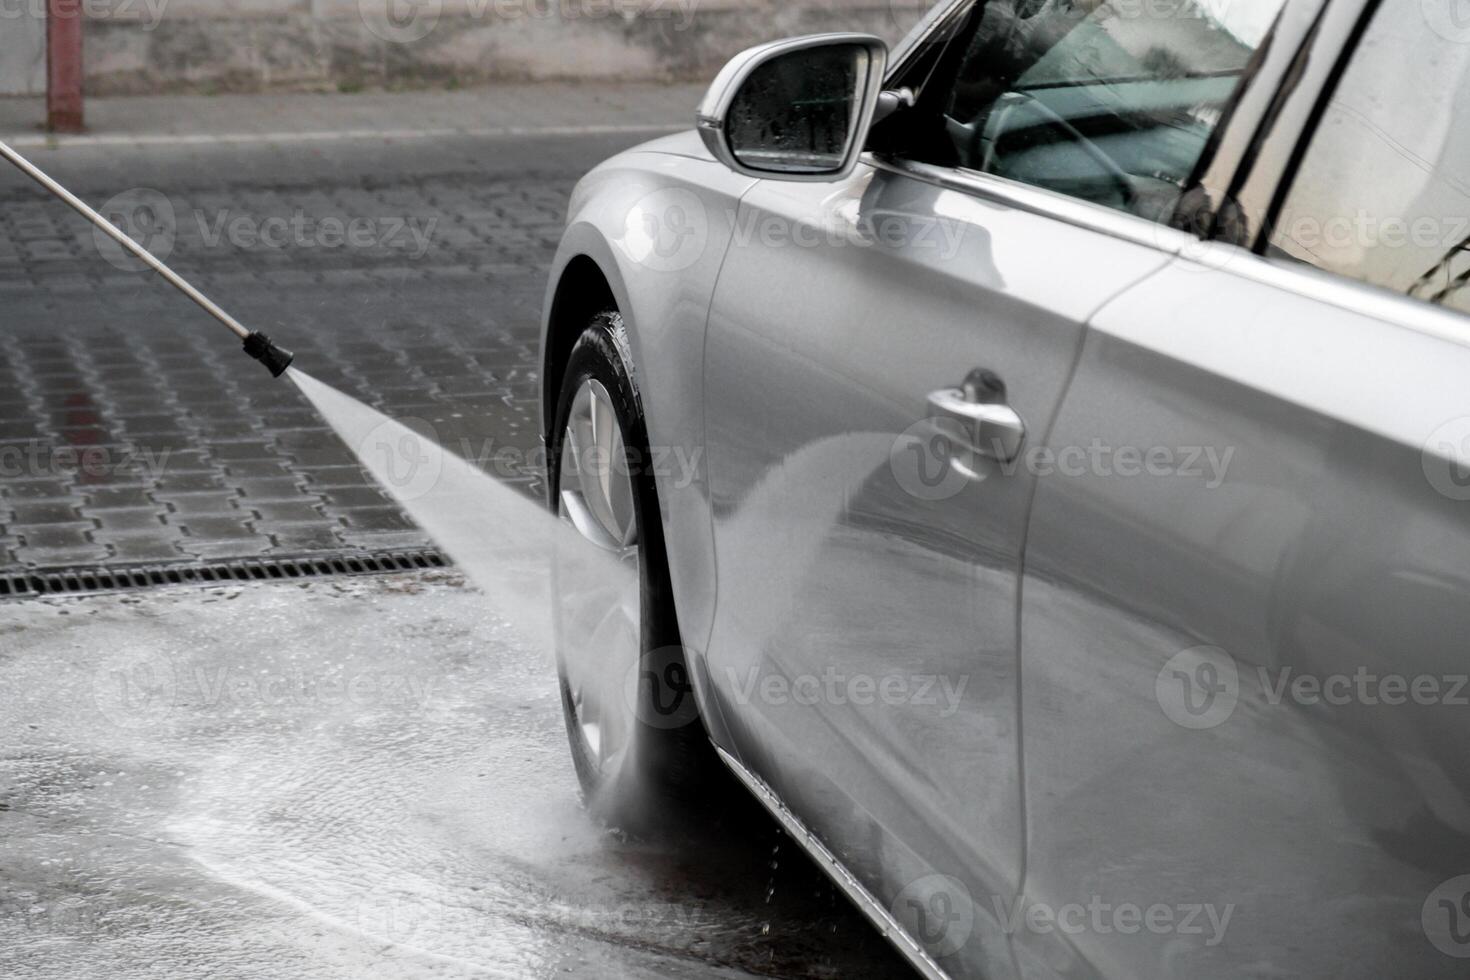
x=407, y=273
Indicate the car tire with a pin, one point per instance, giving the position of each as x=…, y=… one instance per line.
x=647, y=751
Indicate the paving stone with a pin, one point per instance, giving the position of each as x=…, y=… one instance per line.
x=191, y=461
x=145, y=547
x=200, y=412
x=143, y=426
x=65, y=531
x=285, y=512
x=85, y=554
x=160, y=445
x=186, y=483
x=104, y=471
x=323, y=457
x=136, y=519
x=341, y=497
x=286, y=419
x=223, y=547
x=386, y=539
x=376, y=519
x=223, y=429
x=57, y=545
x=248, y=469
x=31, y=513
x=281, y=488
x=228, y=451
x=206, y=504
x=36, y=490
x=103, y=498
x=218, y=528
x=303, y=538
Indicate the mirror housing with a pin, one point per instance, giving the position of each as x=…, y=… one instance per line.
x=829, y=84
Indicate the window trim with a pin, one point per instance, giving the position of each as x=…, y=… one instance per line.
x=1039, y=201
x=901, y=57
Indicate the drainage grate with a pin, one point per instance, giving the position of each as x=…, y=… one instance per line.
x=127, y=578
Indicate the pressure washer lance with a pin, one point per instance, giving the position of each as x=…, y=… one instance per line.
x=257, y=345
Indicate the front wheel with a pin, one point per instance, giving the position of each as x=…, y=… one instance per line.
x=637, y=742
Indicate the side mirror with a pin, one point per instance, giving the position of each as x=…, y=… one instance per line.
x=795, y=110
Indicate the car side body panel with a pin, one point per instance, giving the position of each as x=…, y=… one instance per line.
x=1209, y=713
x=867, y=562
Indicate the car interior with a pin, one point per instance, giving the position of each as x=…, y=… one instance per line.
x=1078, y=98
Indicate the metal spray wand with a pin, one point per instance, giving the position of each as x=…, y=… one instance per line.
x=257, y=345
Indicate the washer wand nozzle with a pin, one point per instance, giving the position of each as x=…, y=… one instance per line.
x=276, y=359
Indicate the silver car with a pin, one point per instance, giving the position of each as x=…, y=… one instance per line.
x=1043, y=456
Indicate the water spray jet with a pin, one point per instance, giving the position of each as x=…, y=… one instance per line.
x=276, y=359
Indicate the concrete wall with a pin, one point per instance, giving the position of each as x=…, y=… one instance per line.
x=148, y=46
x=22, y=50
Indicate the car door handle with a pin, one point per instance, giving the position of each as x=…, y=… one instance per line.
x=991, y=428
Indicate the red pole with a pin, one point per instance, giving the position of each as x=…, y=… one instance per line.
x=64, y=66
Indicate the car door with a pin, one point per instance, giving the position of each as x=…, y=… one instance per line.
x=882, y=353
x=1243, y=634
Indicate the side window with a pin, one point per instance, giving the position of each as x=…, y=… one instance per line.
x=1110, y=101
x=1383, y=192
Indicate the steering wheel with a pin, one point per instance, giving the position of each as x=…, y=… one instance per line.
x=982, y=147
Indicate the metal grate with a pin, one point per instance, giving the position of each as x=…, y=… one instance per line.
x=127, y=578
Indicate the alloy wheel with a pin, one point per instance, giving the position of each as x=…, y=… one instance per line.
x=599, y=616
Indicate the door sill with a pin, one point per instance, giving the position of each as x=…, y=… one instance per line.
x=881, y=918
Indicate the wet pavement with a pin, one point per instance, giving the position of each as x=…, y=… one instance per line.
x=351, y=778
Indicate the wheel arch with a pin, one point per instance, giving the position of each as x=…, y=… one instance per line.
x=581, y=291
x=664, y=313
